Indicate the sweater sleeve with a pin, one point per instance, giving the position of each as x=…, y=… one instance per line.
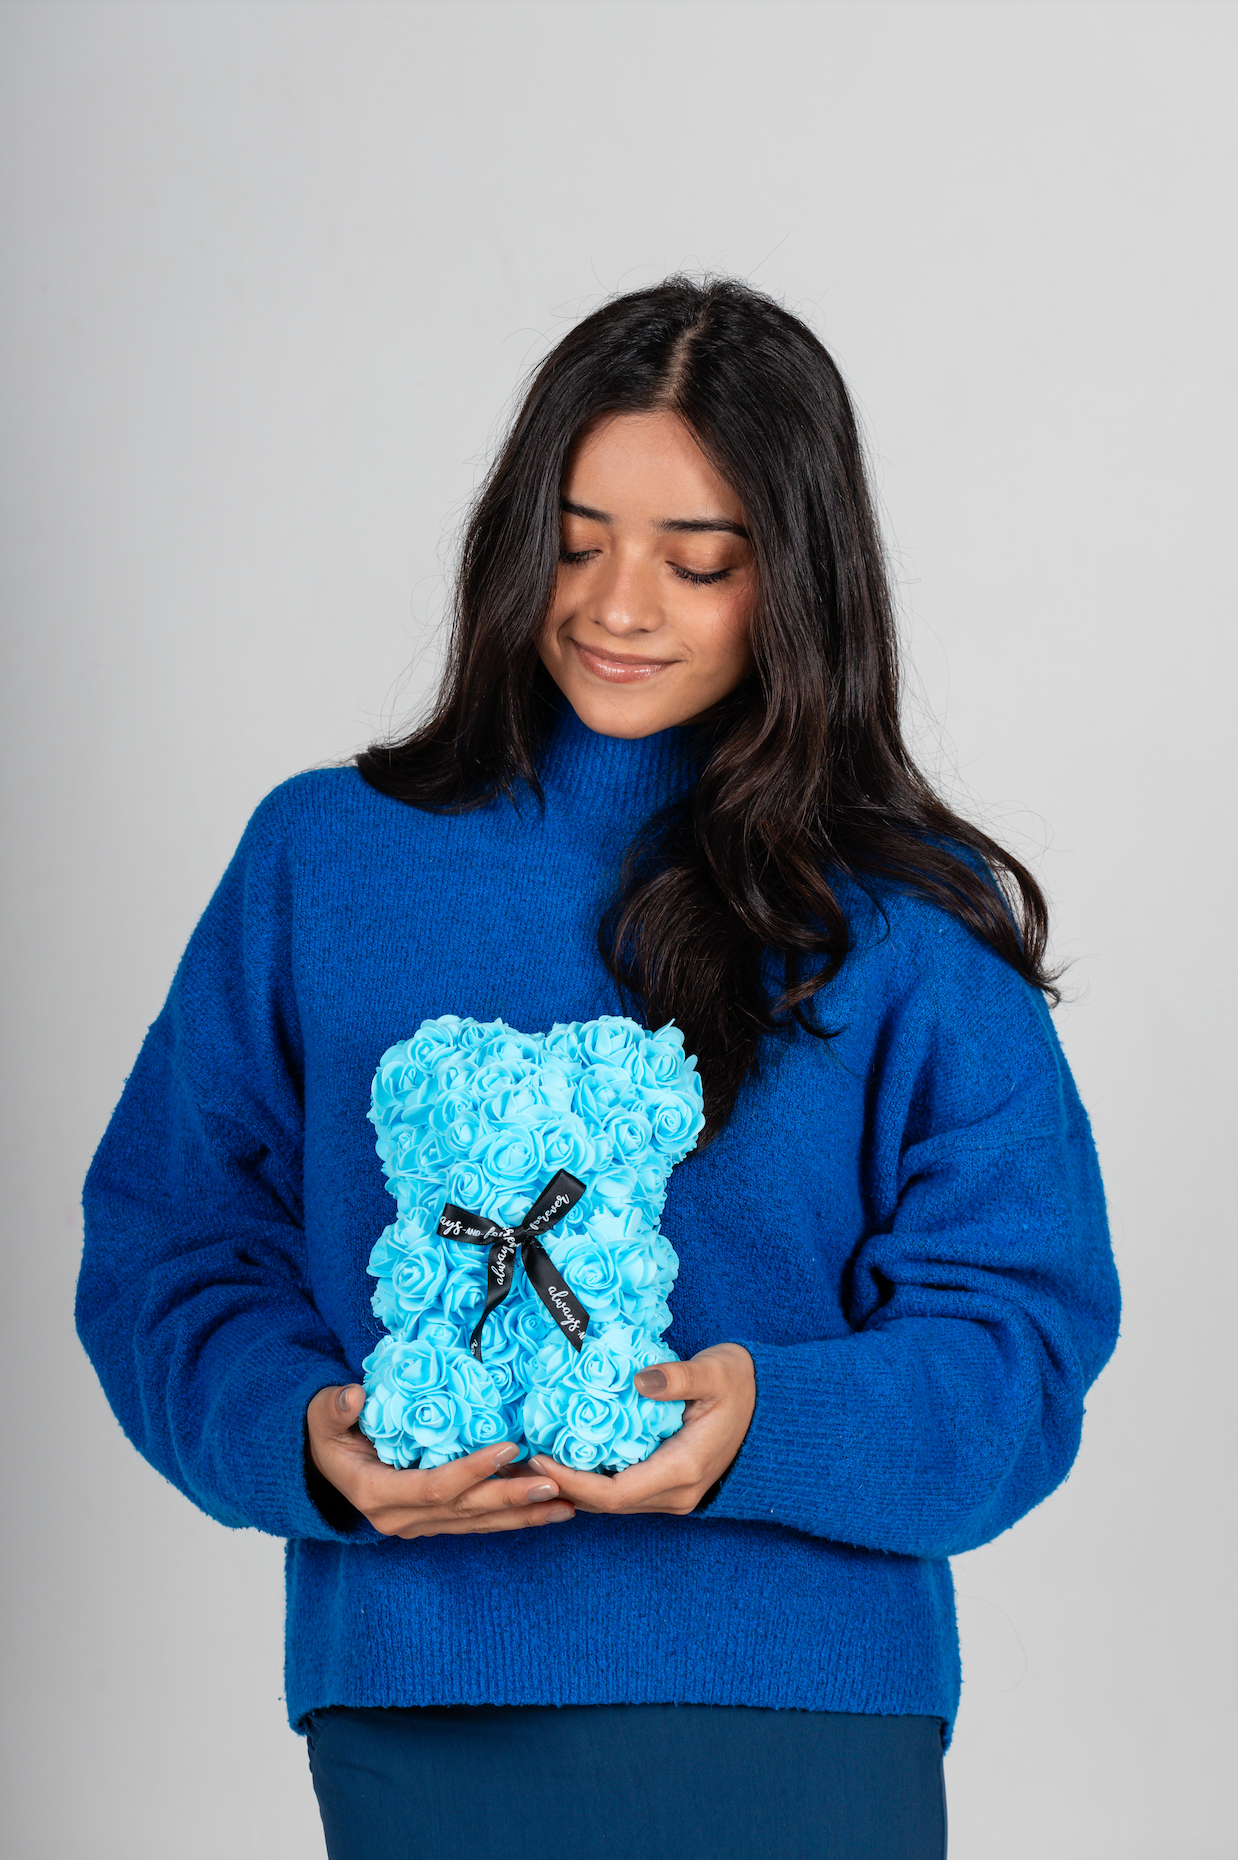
x=193, y=1301
x=982, y=1302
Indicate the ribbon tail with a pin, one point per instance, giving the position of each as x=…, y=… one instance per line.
x=500, y=1271
x=549, y=1284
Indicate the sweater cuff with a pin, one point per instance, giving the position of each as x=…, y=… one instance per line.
x=286, y=1494
x=783, y=1437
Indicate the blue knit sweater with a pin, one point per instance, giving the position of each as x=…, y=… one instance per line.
x=905, y=1228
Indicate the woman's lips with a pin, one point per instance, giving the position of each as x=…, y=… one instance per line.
x=616, y=669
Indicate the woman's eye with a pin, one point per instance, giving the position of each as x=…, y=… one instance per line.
x=700, y=581
x=574, y=556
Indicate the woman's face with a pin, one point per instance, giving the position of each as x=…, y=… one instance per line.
x=648, y=624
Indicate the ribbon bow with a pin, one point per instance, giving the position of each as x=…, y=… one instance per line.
x=556, y=1199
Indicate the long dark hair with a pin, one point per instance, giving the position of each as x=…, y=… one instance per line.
x=804, y=773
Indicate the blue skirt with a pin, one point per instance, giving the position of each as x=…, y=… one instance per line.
x=620, y=1782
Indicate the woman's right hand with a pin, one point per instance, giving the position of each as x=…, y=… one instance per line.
x=472, y=1494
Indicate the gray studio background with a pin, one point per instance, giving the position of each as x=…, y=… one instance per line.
x=271, y=274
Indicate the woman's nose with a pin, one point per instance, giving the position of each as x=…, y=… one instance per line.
x=624, y=597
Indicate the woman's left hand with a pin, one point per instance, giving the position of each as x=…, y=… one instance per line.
x=720, y=1389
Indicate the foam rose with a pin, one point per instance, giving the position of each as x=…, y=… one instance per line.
x=636, y=1268
x=468, y=1186
x=492, y=1077
x=465, y=1133
x=662, y=1060
x=525, y=1319
x=674, y=1120
x=564, y=1041
x=650, y=1189
x=522, y=1106
x=433, y=1040
x=511, y=1161
x=510, y=1379
x=604, y=1088
x=475, y=1033
x=615, y=1188
x=454, y=1072
x=433, y=1327
x=400, y=1150
x=416, y=1280
x=518, y=1051
x=612, y=1041
x=590, y=1271
x=463, y=1296
x=399, y=1083
x=422, y=1199
x=630, y=1135
x=566, y=1144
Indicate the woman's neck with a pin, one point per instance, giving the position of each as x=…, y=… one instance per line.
x=616, y=781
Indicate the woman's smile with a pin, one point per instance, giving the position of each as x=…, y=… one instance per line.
x=617, y=668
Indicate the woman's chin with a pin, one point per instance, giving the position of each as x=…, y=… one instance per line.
x=628, y=711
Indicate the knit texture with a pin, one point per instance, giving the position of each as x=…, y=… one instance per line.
x=904, y=1226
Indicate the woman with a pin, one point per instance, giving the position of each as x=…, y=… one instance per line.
x=664, y=774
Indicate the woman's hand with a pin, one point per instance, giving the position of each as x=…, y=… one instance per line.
x=720, y=1389
x=465, y=1495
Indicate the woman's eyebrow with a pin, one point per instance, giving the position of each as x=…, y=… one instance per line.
x=680, y=526
x=695, y=526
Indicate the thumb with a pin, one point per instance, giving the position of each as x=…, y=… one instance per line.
x=339, y=1409
x=667, y=1382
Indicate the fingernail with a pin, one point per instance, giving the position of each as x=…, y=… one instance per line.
x=558, y=1514
x=344, y=1398
x=505, y=1456
x=537, y=1463
x=651, y=1381
x=536, y=1493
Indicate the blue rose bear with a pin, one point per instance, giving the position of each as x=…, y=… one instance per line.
x=524, y=1280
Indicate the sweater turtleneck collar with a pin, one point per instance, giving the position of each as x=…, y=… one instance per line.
x=616, y=780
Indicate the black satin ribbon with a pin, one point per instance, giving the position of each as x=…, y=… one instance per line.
x=556, y=1199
